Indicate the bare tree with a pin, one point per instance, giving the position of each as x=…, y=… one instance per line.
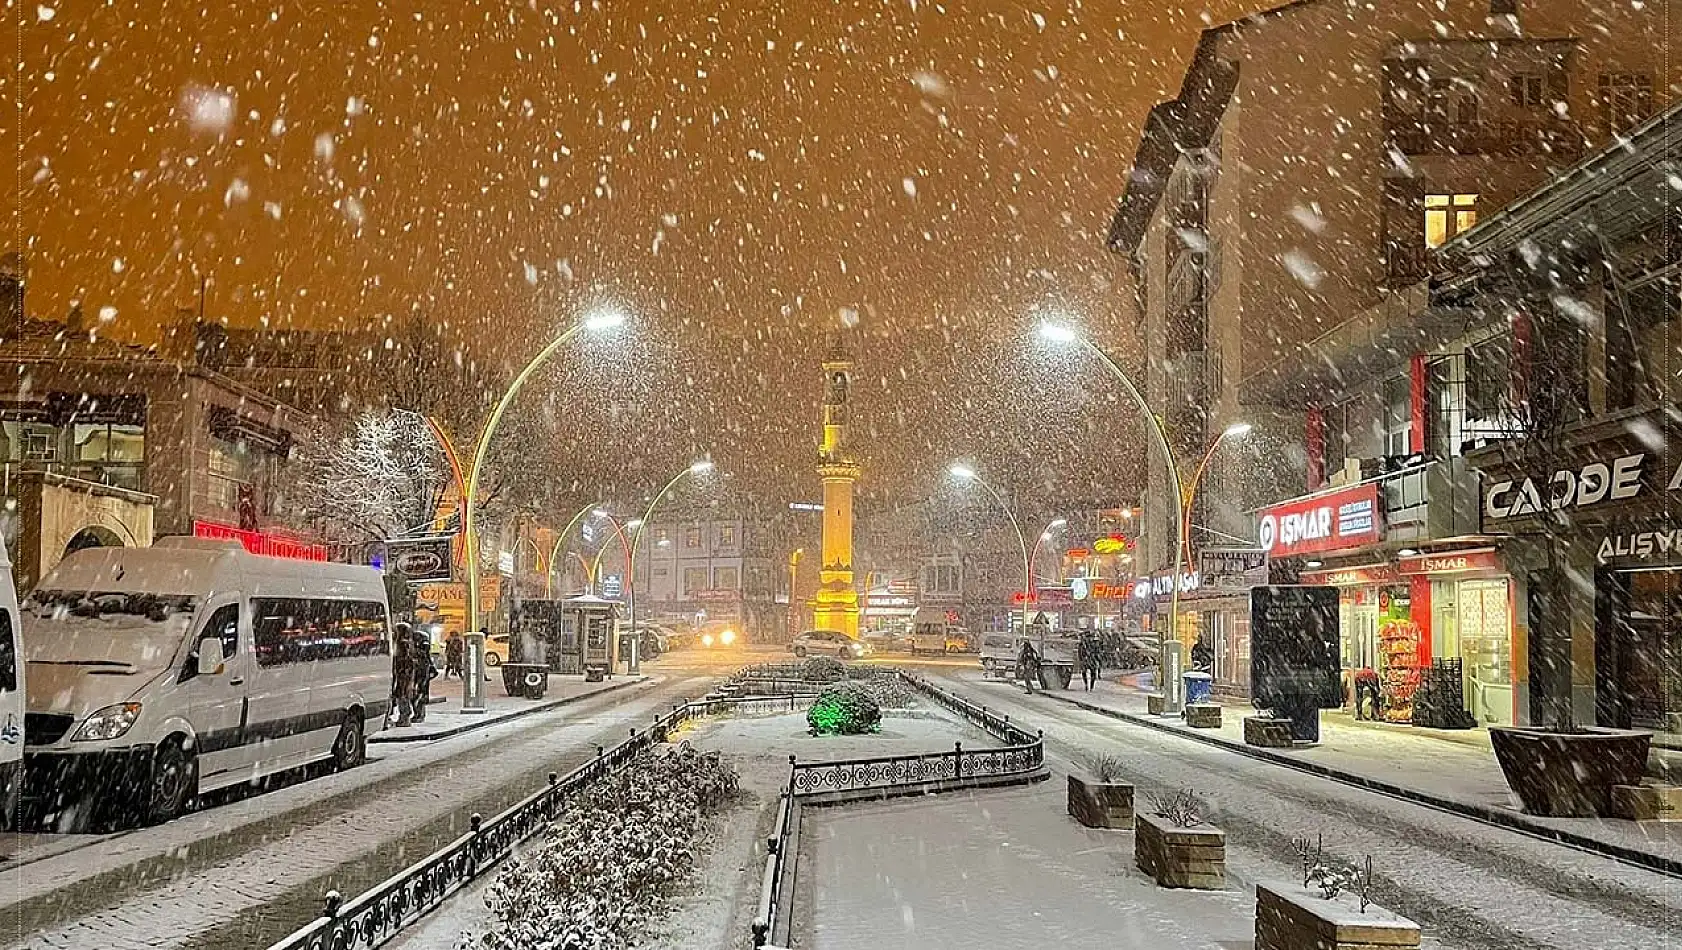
x=379, y=477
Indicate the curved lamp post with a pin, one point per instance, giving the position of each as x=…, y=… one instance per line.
x=618, y=532
x=1237, y=430
x=967, y=474
x=600, y=322
x=697, y=468
x=561, y=540
x=1062, y=334
x=1044, y=536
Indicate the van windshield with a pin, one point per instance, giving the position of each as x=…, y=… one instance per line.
x=140, y=610
x=96, y=629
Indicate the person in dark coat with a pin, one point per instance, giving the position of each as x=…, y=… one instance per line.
x=1202, y=655
x=424, y=672
x=455, y=648
x=402, y=681
x=1028, y=666
x=1091, y=661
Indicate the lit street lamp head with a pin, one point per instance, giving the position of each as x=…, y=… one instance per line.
x=1060, y=522
x=1238, y=430
x=1057, y=333
x=961, y=471
x=702, y=466
x=604, y=320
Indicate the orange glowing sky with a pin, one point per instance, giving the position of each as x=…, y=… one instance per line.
x=736, y=179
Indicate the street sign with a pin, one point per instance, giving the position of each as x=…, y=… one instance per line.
x=612, y=586
x=1232, y=568
x=505, y=562
x=420, y=560
x=804, y=506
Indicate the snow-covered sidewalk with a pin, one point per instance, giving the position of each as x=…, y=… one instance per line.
x=1456, y=768
x=444, y=716
x=997, y=868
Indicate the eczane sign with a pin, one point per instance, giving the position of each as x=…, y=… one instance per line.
x=1332, y=521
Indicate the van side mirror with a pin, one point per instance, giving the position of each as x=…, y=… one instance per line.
x=210, y=656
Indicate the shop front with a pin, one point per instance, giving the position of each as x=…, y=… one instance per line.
x=1468, y=608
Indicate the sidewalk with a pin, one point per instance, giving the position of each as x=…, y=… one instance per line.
x=1452, y=771
x=445, y=719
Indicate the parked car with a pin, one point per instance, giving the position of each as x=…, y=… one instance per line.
x=496, y=649
x=720, y=638
x=829, y=643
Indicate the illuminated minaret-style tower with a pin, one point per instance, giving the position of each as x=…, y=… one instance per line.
x=836, y=606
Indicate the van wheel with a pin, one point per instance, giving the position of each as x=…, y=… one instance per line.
x=799, y=651
x=842, y=653
x=175, y=775
x=351, y=748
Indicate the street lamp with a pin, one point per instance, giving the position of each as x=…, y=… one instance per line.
x=965, y=473
x=1237, y=430
x=699, y=467
x=793, y=575
x=600, y=322
x=1058, y=333
x=1044, y=536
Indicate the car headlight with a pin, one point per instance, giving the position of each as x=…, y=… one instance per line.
x=706, y=639
x=108, y=723
x=728, y=636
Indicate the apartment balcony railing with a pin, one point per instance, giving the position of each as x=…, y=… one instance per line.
x=1512, y=137
x=128, y=475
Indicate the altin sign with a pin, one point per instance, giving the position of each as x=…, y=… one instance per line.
x=1594, y=483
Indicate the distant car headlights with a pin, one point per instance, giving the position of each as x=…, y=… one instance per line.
x=857, y=648
x=728, y=637
x=108, y=723
x=706, y=639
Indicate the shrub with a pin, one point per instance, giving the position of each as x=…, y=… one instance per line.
x=823, y=669
x=1181, y=808
x=844, y=711
x=1107, y=768
x=612, y=858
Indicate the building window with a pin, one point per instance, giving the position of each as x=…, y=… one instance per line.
x=726, y=535
x=694, y=580
x=941, y=579
x=232, y=468
x=662, y=537
x=692, y=537
x=1335, y=427
x=1489, y=368
x=726, y=578
x=1527, y=90
x=1398, y=416
x=1625, y=99
x=1448, y=215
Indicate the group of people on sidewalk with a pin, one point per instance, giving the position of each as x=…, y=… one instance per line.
x=412, y=671
x=1090, y=658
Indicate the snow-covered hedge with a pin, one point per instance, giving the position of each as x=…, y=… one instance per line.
x=844, y=710
x=823, y=669
x=889, y=692
x=612, y=859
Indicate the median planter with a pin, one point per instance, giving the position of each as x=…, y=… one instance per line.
x=1098, y=804
x=525, y=680
x=1290, y=918
x=1268, y=732
x=1203, y=716
x=1180, y=857
x=1156, y=703
x=1569, y=774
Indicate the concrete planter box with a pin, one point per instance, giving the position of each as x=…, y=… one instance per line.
x=1569, y=774
x=1180, y=857
x=1290, y=917
x=1155, y=703
x=1203, y=716
x=1268, y=732
x=1101, y=804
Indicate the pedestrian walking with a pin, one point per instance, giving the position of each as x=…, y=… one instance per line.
x=1091, y=661
x=1028, y=665
x=402, y=681
x=455, y=648
x=424, y=672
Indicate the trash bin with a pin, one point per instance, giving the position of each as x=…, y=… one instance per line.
x=1199, y=687
x=525, y=680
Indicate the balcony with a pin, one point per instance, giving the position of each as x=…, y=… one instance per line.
x=1515, y=138
x=1435, y=500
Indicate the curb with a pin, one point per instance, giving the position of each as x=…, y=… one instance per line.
x=1490, y=816
x=385, y=735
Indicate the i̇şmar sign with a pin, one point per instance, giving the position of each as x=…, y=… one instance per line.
x=1329, y=521
x=1294, y=647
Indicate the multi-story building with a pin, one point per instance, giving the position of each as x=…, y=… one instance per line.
x=1280, y=216
x=703, y=565
x=108, y=443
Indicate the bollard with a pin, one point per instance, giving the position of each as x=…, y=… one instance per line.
x=957, y=760
x=473, y=674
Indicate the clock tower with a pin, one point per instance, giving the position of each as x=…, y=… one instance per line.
x=836, y=606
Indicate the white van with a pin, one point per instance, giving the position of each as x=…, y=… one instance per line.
x=928, y=630
x=12, y=717
x=156, y=674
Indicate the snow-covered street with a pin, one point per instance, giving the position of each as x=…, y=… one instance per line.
x=1465, y=882
x=248, y=872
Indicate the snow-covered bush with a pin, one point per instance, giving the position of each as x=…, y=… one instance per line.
x=845, y=710
x=612, y=858
x=889, y=692
x=823, y=669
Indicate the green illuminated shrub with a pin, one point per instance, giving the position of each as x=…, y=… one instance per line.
x=844, y=711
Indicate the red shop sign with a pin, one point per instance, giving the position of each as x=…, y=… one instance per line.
x=256, y=542
x=1353, y=576
x=1451, y=563
x=1332, y=521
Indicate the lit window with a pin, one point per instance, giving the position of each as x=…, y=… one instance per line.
x=1447, y=216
